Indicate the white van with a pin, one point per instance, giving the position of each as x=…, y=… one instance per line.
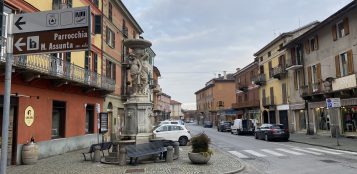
x=243, y=126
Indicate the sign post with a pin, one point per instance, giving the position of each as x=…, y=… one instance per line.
x=42, y=32
x=333, y=104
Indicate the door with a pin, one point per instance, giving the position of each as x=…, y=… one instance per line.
x=283, y=115
x=272, y=117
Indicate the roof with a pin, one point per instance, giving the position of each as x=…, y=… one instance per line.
x=129, y=16
x=283, y=35
x=161, y=93
x=245, y=68
x=210, y=83
x=174, y=102
x=334, y=16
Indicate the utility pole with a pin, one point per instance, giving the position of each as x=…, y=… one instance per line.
x=7, y=93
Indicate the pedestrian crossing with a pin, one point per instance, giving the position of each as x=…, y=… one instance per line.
x=282, y=152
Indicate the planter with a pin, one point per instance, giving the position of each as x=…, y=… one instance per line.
x=29, y=153
x=198, y=158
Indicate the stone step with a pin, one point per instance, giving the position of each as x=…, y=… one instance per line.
x=111, y=159
x=113, y=154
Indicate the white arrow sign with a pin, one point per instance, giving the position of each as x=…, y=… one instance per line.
x=19, y=44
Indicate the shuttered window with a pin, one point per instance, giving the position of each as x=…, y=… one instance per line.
x=340, y=29
x=284, y=92
x=307, y=47
x=309, y=74
x=344, y=64
x=270, y=69
x=350, y=62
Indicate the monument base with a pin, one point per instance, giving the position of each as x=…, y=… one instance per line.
x=143, y=138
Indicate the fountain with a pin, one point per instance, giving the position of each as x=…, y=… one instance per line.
x=138, y=108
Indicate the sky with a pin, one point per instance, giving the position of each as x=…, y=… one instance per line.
x=195, y=40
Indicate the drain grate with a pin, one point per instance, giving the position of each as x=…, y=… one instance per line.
x=134, y=170
x=329, y=161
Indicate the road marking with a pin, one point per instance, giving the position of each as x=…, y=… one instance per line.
x=306, y=151
x=324, y=151
x=342, y=151
x=239, y=155
x=272, y=152
x=289, y=151
x=255, y=153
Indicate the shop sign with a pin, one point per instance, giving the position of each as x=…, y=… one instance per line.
x=103, y=118
x=333, y=102
x=29, y=115
x=344, y=82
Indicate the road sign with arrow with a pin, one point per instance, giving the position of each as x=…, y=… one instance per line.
x=51, y=31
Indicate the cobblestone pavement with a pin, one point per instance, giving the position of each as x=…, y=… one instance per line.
x=348, y=144
x=72, y=162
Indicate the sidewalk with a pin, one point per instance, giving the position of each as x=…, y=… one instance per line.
x=72, y=162
x=348, y=144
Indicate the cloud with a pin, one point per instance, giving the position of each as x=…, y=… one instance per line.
x=195, y=39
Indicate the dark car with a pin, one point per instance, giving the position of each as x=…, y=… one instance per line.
x=269, y=132
x=224, y=126
x=208, y=124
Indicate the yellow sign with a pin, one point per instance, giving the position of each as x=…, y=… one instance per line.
x=29, y=115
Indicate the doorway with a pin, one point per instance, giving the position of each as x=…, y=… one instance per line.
x=283, y=116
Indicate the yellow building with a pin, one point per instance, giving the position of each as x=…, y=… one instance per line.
x=273, y=78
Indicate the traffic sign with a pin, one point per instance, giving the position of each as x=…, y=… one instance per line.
x=333, y=102
x=51, y=20
x=51, y=31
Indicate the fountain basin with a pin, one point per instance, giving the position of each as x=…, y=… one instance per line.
x=137, y=43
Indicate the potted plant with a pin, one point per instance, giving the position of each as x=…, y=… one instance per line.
x=201, y=153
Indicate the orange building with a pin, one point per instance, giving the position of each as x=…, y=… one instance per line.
x=218, y=94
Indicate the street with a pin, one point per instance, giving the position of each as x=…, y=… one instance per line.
x=279, y=157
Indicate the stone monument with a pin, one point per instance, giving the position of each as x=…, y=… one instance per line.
x=138, y=108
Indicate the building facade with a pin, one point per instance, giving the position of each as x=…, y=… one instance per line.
x=273, y=78
x=329, y=52
x=164, y=108
x=218, y=94
x=176, y=112
x=247, y=93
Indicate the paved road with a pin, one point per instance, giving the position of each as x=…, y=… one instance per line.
x=280, y=157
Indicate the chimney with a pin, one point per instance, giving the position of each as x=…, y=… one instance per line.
x=224, y=74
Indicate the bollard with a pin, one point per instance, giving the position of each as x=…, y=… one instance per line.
x=170, y=154
x=122, y=156
x=176, y=150
x=96, y=154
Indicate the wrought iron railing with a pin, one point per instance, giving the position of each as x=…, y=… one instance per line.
x=259, y=79
x=56, y=67
x=279, y=71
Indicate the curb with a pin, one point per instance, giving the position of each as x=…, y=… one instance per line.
x=301, y=142
x=242, y=165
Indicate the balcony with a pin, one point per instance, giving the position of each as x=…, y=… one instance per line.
x=63, y=72
x=246, y=104
x=295, y=65
x=243, y=88
x=279, y=72
x=259, y=79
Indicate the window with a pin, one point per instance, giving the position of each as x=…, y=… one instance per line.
x=313, y=43
x=110, y=37
x=96, y=2
x=298, y=79
x=343, y=64
x=58, y=119
x=314, y=78
x=59, y=4
x=281, y=46
x=89, y=125
x=110, y=69
x=269, y=53
x=95, y=62
x=261, y=58
x=110, y=11
x=270, y=70
x=340, y=29
x=220, y=103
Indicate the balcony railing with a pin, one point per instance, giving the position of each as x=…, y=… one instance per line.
x=259, y=79
x=246, y=104
x=279, y=71
x=59, y=68
x=304, y=91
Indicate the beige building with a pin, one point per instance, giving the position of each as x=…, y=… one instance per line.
x=175, y=110
x=328, y=52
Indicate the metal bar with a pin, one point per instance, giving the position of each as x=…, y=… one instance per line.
x=7, y=93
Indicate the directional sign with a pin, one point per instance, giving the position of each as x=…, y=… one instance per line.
x=51, y=31
x=333, y=102
x=51, y=20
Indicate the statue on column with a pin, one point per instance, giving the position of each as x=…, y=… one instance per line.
x=138, y=70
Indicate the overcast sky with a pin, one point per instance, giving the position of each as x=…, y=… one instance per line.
x=195, y=40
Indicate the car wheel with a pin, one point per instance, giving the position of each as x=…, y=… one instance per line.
x=231, y=132
x=256, y=136
x=238, y=132
x=183, y=141
x=266, y=137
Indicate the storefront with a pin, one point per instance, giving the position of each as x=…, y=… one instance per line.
x=322, y=120
x=349, y=120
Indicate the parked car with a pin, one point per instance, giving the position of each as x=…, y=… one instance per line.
x=208, y=124
x=224, y=126
x=272, y=132
x=173, y=132
x=172, y=122
x=243, y=126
